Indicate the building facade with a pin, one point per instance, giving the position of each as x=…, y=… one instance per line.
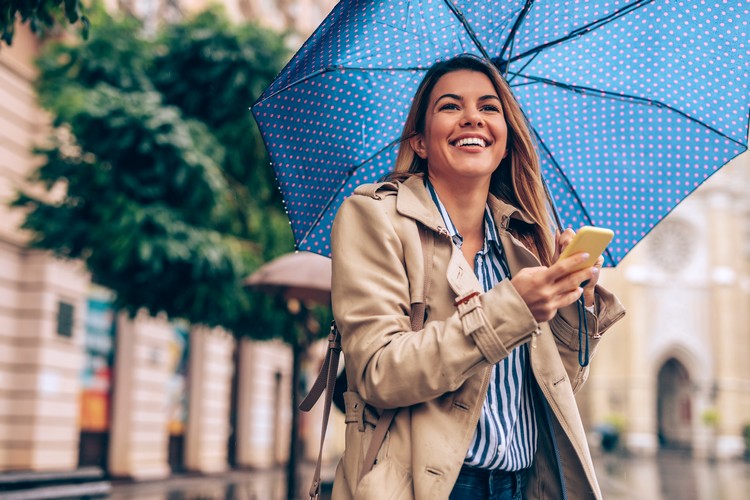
x=674, y=373
x=81, y=385
x=143, y=398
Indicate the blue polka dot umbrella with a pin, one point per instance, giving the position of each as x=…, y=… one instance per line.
x=633, y=103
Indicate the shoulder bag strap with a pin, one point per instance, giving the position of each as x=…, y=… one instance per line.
x=325, y=381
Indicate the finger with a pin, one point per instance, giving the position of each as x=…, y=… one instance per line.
x=563, y=240
x=568, y=298
x=531, y=271
x=591, y=283
x=599, y=262
x=565, y=266
x=575, y=280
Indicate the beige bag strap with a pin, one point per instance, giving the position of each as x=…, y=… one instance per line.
x=327, y=376
x=325, y=381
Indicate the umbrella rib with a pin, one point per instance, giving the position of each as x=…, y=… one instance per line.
x=574, y=193
x=584, y=29
x=323, y=211
x=330, y=69
x=343, y=182
x=518, y=72
x=524, y=11
x=469, y=30
x=605, y=94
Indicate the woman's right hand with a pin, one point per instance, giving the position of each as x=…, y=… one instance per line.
x=547, y=289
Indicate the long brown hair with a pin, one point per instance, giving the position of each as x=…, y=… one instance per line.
x=517, y=180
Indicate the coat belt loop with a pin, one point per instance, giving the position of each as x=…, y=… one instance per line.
x=355, y=410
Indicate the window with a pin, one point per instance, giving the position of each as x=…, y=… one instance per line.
x=65, y=319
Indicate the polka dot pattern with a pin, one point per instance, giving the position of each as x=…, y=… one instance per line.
x=630, y=115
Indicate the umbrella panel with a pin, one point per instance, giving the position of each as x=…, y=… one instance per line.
x=321, y=145
x=377, y=34
x=626, y=174
x=660, y=57
x=631, y=116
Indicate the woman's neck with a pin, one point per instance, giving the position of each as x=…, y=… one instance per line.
x=465, y=205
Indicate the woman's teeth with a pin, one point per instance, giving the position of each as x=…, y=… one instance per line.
x=471, y=141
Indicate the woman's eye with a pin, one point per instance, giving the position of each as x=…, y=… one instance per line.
x=490, y=107
x=449, y=106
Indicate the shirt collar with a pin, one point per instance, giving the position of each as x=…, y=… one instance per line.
x=490, y=232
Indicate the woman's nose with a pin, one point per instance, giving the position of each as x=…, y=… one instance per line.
x=472, y=116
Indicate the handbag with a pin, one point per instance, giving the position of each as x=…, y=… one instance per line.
x=328, y=382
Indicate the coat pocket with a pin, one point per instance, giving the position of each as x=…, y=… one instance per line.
x=386, y=481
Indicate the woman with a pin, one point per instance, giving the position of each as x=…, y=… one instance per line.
x=484, y=390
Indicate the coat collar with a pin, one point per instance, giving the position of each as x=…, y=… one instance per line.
x=414, y=201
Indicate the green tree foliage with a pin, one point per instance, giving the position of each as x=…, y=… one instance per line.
x=167, y=193
x=40, y=15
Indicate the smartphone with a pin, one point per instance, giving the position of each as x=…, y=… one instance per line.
x=589, y=239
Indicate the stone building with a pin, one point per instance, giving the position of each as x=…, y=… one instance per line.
x=142, y=398
x=82, y=386
x=675, y=372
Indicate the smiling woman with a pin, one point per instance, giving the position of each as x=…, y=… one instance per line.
x=463, y=142
x=480, y=393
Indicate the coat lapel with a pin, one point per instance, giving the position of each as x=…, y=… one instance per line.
x=414, y=201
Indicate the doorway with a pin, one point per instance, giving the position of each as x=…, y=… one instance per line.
x=674, y=406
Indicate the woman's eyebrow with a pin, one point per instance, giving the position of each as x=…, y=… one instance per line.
x=459, y=98
x=449, y=96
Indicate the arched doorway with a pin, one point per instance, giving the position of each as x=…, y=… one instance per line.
x=674, y=406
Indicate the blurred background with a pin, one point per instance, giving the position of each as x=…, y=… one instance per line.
x=137, y=198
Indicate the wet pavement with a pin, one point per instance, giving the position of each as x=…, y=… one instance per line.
x=672, y=476
x=669, y=476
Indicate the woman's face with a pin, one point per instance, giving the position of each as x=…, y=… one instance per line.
x=465, y=131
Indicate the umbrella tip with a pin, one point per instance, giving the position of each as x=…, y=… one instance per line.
x=500, y=63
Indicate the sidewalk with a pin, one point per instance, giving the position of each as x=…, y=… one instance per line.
x=667, y=476
x=249, y=484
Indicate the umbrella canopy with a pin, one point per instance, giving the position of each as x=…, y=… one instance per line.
x=300, y=275
x=633, y=103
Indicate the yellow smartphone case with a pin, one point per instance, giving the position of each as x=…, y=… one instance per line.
x=589, y=239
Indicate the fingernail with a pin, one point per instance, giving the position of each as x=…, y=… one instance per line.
x=595, y=271
x=584, y=256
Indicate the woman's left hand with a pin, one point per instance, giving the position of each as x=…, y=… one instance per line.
x=562, y=240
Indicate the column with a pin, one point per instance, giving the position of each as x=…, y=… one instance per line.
x=139, y=435
x=263, y=403
x=730, y=393
x=41, y=339
x=210, y=386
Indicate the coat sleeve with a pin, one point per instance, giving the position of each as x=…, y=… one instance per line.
x=564, y=326
x=388, y=364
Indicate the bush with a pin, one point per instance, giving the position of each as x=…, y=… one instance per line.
x=610, y=431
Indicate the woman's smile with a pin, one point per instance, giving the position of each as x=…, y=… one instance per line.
x=465, y=133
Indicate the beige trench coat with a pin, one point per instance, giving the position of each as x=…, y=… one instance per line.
x=438, y=377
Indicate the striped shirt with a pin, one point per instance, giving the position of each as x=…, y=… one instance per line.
x=505, y=437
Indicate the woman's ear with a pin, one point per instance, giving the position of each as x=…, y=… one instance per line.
x=417, y=144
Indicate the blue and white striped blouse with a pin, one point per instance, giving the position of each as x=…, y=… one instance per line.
x=505, y=437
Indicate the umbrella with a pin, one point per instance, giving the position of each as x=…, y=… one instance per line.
x=306, y=277
x=633, y=103
x=303, y=276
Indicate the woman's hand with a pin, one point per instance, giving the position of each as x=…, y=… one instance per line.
x=562, y=240
x=546, y=289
